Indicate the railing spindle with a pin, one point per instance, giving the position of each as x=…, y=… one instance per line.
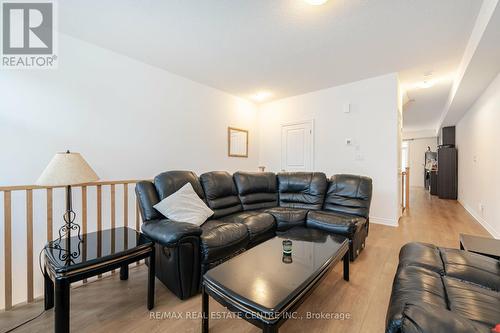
x=84, y=223
x=7, y=211
x=29, y=243
x=99, y=221
x=113, y=218
x=137, y=217
x=113, y=206
x=49, y=214
x=137, y=226
x=125, y=205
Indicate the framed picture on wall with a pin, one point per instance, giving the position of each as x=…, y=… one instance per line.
x=237, y=142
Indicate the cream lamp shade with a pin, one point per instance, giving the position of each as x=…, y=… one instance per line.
x=67, y=169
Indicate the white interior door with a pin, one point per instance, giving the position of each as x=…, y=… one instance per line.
x=297, y=146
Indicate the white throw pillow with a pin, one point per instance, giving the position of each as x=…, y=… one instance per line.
x=184, y=206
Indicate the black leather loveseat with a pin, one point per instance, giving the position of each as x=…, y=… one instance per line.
x=444, y=290
x=249, y=208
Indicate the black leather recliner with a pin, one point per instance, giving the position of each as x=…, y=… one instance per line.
x=249, y=208
x=345, y=210
x=443, y=290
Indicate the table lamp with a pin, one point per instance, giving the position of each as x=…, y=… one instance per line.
x=67, y=169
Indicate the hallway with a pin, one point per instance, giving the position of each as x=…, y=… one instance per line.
x=111, y=305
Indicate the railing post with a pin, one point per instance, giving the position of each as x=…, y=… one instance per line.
x=407, y=188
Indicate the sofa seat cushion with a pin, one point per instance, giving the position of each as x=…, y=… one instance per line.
x=474, y=302
x=220, y=240
x=257, y=223
x=472, y=267
x=336, y=223
x=287, y=218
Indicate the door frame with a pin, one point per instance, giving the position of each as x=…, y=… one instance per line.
x=298, y=122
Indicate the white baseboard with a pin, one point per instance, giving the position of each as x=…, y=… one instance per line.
x=384, y=221
x=480, y=220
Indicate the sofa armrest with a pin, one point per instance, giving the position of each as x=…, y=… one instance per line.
x=167, y=232
x=426, y=318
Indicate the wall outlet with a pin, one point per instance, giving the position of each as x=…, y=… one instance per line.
x=359, y=157
x=481, y=208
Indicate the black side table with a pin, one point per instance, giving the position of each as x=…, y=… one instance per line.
x=481, y=245
x=97, y=253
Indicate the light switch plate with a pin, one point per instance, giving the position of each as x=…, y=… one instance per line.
x=347, y=108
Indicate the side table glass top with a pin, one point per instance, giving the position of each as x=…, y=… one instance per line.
x=95, y=247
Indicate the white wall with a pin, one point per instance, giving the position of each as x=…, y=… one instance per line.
x=128, y=119
x=372, y=125
x=478, y=143
x=416, y=157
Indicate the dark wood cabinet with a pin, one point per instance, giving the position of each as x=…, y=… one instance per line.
x=447, y=186
x=448, y=136
x=434, y=183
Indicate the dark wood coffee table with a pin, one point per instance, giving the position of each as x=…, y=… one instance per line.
x=482, y=245
x=97, y=253
x=263, y=287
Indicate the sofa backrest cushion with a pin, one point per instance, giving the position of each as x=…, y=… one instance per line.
x=148, y=197
x=170, y=182
x=302, y=189
x=220, y=193
x=257, y=190
x=349, y=194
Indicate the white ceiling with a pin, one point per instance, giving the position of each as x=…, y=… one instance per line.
x=424, y=109
x=286, y=46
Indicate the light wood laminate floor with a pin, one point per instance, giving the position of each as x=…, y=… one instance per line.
x=111, y=305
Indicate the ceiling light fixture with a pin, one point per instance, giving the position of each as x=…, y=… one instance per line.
x=261, y=96
x=316, y=2
x=426, y=84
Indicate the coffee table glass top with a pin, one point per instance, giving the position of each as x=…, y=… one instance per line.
x=96, y=247
x=262, y=277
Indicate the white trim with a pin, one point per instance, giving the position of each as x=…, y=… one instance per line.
x=480, y=220
x=384, y=221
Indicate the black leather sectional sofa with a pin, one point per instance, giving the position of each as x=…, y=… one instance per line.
x=249, y=208
x=444, y=290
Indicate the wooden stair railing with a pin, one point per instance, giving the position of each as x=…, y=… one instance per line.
x=49, y=195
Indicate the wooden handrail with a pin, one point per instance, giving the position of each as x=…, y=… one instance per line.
x=8, y=217
x=38, y=187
